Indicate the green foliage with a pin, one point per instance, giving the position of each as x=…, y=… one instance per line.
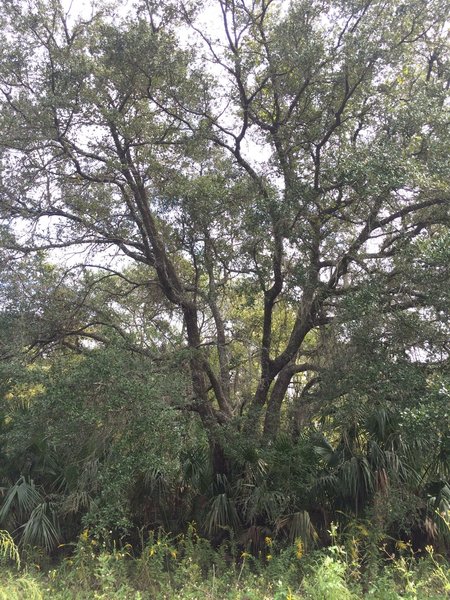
x=328, y=581
x=188, y=567
x=8, y=549
x=254, y=341
x=102, y=472
x=26, y=508
x=21, y=587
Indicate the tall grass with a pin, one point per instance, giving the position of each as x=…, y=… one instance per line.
x=187, y=567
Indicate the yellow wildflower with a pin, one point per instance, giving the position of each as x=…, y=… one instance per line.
x=401, y=545
x=299, y=549
x=84, y=536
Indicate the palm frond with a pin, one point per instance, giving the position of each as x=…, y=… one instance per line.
x=222, y=514
x=77, y=501
x=20, y=500
x=41, y=528
x=298, y=525
x=196, y=467
x=325, y=450
x=262, y=502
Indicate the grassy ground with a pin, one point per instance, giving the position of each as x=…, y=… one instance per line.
x=191, y=569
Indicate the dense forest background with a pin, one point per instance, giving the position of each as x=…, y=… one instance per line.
x=225, y=281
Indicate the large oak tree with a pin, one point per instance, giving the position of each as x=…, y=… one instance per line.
x=262, y=170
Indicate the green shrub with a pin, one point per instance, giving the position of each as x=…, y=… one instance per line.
x=21, y=588
x=327, y=581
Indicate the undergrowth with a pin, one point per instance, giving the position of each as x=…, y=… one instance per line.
x=188, y=567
